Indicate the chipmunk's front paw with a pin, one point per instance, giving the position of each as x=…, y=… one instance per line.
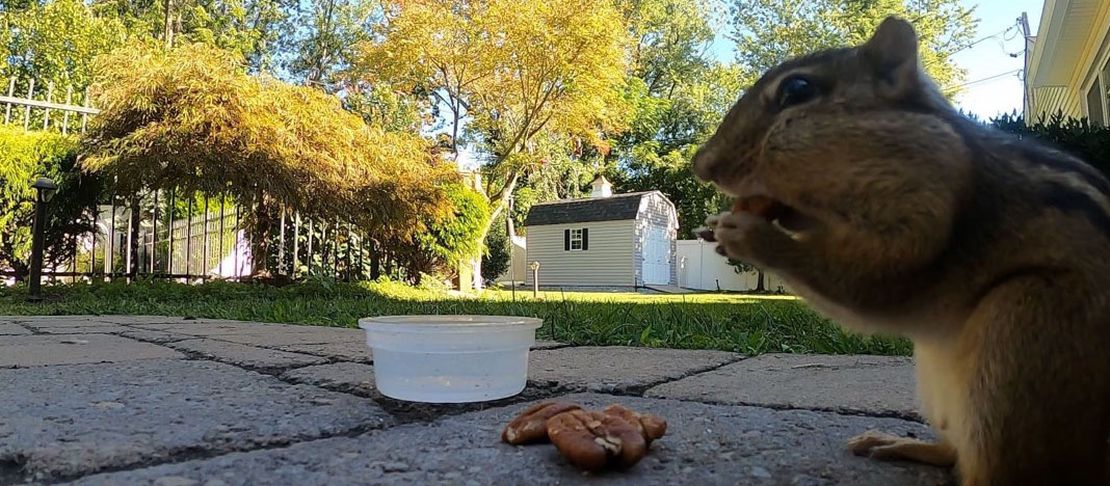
x=745, y=237
x=861, y=445
x=886, y=447
x=707, y=232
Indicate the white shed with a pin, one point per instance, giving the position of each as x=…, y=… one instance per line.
x=605, y=240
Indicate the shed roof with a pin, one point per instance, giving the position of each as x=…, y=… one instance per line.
x=612, y=208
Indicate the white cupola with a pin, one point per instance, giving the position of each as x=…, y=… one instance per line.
x=601, y=187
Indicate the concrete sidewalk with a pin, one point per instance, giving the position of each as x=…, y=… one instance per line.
x=174, y=402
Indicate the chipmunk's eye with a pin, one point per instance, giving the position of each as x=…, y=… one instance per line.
x=794, y=90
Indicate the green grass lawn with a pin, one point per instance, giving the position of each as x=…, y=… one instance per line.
x=732, y=322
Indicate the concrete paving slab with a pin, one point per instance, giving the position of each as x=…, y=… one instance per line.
x=877, y=385
x=100, y=328
x=72, y=420
x=12, y=329
x=143, y=320
x=159, y=337
x=208, y=328
x=616, y=368
x=356, y=378
x=545, y=344
x=246, y=356
x=705, y=444
x=356, y=351
x=41, y=350
x=36, y=322
x=293, y=335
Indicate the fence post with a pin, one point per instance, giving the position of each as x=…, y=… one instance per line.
x=133, y=240
x=65, y=113
x=204, y=253
x=296, y=243
x=281, y=244
x=46, y=114
x=110, y=256
x=27, y=109
x=189, y=237
x=154, y=233
x=11, y=94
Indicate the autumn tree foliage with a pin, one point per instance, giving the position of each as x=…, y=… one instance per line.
x=768, y=32
x=513, y=70
x=191, y=119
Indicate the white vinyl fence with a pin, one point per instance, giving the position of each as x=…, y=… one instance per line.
x=701, y=268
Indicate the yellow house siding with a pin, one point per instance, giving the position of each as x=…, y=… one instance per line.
x=1070, y=49
x=608, y=261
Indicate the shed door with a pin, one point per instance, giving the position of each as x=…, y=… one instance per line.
x=657, y=257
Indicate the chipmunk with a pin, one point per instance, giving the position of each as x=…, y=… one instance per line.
x=889, y=211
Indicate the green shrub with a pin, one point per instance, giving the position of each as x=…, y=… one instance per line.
x=499, y=251
x=24, y=157
x=1079, y=137
x=449, y=239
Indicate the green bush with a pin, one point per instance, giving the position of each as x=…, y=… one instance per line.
x=450, y=239
x=1078, y=137
x=498, y=255
x=24, y=157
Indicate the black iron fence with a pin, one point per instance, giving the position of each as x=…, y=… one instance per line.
x=164, y=234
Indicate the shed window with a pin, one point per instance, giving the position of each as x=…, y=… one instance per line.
x=577, y=239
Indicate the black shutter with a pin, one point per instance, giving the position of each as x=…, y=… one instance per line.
x=566, y=240
x=585, y=239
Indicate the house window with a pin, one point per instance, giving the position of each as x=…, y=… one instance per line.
x=1106, y=93
x=1094, y=105
x=576, y=239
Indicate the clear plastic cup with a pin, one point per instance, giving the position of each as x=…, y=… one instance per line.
x=450, y=359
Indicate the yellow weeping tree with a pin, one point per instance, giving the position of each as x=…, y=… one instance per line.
x=191, y=119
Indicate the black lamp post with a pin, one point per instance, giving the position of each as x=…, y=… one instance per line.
x=44, y=192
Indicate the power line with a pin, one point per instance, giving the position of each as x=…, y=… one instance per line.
x=988, y=78
x=978, y=41
x=984, y=39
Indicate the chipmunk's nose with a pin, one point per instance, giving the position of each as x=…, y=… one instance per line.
x=705, y=163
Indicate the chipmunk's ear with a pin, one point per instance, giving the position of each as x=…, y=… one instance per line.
x=891, y=54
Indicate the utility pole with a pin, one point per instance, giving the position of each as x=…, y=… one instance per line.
x=1023, y=22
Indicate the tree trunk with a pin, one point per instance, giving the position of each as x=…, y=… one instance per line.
x=759, y=282
x=167, y=33
x=501, y=204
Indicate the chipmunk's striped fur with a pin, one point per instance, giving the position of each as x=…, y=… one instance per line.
x=991, y=253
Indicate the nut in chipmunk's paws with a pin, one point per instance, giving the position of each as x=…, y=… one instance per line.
x=707, y=232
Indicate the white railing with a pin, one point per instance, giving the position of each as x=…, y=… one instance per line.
x=70, y=107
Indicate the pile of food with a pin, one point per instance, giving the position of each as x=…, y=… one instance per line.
x=614, y=437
